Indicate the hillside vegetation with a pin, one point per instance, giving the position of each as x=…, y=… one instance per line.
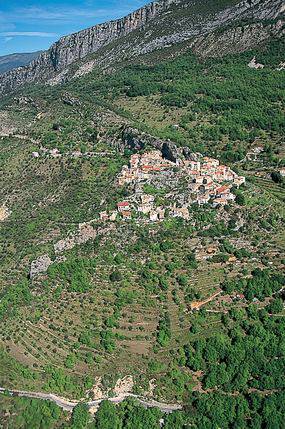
x=192, y=309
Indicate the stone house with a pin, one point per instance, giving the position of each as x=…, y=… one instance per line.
x=222, y=190
x=134, y=161
x=219, y=202
x=104, y=216
x=123, y=206
x=145, y=208
x=147, y=199
x=153, y=216
x=194, y=165
x=126, y=214
x=203, y=198
x=211, y=161
x=180, y=212
x=198, y=180
x=157, y=214
x=161, y=213
x=113, y=216
x=146, y=203
x=238, y=181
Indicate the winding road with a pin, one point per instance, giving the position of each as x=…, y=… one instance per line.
x=68, y=405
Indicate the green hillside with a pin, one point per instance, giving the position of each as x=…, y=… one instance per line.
x=122, y=302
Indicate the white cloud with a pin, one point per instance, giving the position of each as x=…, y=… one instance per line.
x=11, y=34
x=7, y=39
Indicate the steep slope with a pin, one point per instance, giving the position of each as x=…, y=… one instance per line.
x=186, y=310
x=9, y=62
x=158, y=25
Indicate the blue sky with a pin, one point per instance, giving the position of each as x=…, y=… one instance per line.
x=27, y=26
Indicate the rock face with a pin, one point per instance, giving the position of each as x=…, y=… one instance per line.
x=40, y=265
x=210, y=28
x=253, y=64
x=190, y=156
x=169, y=151
x=133, y=139
x=136, y=140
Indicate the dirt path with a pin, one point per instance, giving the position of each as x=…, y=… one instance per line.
x=196, y=305
x=68, y=405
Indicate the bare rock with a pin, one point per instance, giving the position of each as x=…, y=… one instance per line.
x=4, y=212
x=170, y=151
x=40, y=265
x=133, y=139
x=190, y=156
x=70, y=101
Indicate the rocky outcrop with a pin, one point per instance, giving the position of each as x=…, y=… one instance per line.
x=190, y=156
x=253, y=64
x=40, y=266
x=85, y=233
x=170, y=151
x=133, y=139
x=237, y=39
x=136, y=140
x=4, y=212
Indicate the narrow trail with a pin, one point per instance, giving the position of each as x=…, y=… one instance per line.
x=68, y=405
x=196, y=305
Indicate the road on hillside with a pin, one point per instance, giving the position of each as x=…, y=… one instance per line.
x=68, y=405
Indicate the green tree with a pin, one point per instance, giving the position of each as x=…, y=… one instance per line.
x=107, y=417
x=80, y=417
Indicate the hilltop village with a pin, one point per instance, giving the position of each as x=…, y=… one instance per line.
x=161, y=188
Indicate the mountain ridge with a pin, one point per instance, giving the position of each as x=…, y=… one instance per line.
x=150, y=29
x=15, y=60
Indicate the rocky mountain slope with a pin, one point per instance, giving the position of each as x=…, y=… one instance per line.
x=9, y=62
x=210, y=28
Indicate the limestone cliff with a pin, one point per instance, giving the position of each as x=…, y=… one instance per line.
x=78, y=45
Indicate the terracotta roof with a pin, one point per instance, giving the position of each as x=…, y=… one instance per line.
x=123, y=204
x=222, y=189
x=146, y=167
x=220, y=200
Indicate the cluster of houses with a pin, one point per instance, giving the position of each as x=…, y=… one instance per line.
x=207, y=182
x=142, y=167
x=212, y=181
